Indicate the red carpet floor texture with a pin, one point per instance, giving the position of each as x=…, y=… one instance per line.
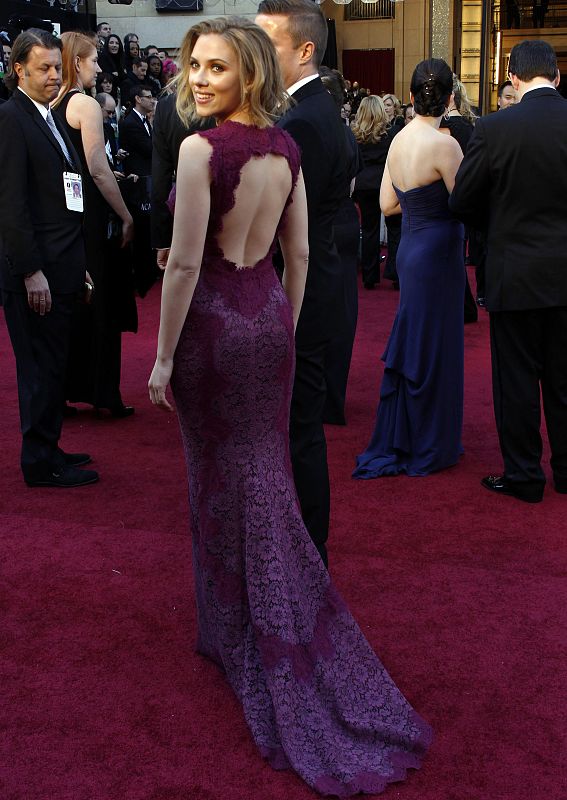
x=463, y=594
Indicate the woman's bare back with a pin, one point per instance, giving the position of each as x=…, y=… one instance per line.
x=420, y=155
x=248, y=229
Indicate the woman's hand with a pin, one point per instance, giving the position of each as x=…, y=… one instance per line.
x=162, y=256
x=158, y=383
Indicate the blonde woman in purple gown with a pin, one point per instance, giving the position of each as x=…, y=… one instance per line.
x=315, y=697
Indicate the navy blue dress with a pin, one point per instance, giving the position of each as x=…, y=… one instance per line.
x=420, y=413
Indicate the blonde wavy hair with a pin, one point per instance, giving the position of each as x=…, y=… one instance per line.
x=261, y=88
x=462, y=101
x=397, y=105
x=371, y=122
x=75, y=45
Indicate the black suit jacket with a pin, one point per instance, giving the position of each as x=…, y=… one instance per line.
x=135, y=139
x=315, y=125
x=513, y=182
x=130, y=82
x=373, y=157
x=37, y=231
x=168, y=134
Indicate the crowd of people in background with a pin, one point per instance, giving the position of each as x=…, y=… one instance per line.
x=106, y=104
x=122, y=82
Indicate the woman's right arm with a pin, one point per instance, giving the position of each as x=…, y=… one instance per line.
x=295, y=248
x=85, y=112
x=192, y=207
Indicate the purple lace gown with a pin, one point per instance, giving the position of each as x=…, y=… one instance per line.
x=315, y=696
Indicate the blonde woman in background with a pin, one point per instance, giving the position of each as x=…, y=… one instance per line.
x=374, y=134
x=459, y=119
x=393, y=110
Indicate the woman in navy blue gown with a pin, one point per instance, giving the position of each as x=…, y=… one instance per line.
x=419, y=418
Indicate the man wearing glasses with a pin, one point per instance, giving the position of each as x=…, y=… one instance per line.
x=136, y=139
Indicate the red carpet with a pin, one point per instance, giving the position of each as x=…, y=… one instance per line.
x=463, y=595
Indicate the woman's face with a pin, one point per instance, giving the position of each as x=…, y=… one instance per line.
x=106, y=86
x=389, y=107
x=88, y=69
x=154, y=66
x=133, y=48
x=409, y=114
x=215, y=78
x=113, y=45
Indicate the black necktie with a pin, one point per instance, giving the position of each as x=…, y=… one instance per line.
x=147, y=125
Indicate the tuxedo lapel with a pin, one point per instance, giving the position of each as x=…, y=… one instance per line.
x=140, y=122
x=26, y=105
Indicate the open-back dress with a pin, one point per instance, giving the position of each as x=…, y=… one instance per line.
x=315, y=696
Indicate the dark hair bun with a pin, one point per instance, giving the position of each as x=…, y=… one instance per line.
x=431, y=86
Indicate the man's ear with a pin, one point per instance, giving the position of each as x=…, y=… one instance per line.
x=307, y=52
x=514, y=80
x=557, y=78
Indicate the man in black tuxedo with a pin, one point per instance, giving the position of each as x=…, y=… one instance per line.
x=42, y=258
x=169, y=131
x=135, y=135
x=299, y=32
x=136, y=132
x=514, y=174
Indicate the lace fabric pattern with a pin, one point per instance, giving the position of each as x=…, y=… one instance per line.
x=315, y=696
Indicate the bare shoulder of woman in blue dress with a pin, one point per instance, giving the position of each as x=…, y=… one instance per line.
x=420, y=155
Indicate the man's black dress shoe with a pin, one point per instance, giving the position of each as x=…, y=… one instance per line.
x=560, y=484
x=63, y=477
x=526, y=492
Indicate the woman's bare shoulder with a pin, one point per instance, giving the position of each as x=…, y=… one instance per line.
x=400, y=143
x=83, y=110
x=79, y=100
x=195, y=156
x=195, y=146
